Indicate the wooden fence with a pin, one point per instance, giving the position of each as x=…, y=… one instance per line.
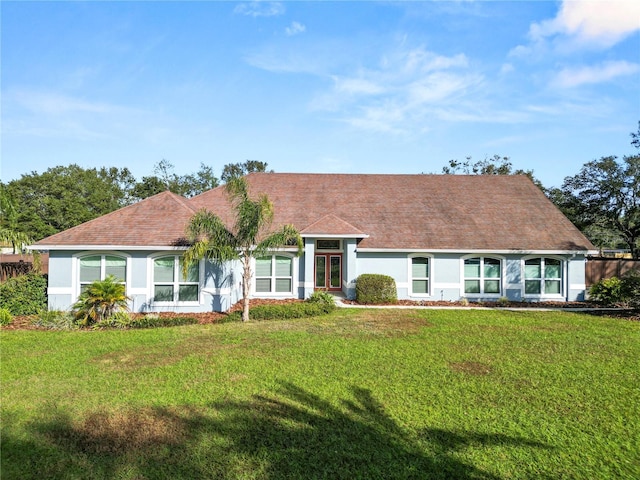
x=13, y=265
x=599, y=268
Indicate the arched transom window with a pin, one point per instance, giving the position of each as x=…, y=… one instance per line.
x=99, y=267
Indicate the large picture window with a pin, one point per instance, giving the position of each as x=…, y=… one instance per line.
x=482, y=276
x=420, y=276
x=274, y=274
x=543, y=276
x=169, y=282
x=99, y=267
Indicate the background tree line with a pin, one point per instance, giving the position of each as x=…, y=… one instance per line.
x=602, y=199
x=41, y=204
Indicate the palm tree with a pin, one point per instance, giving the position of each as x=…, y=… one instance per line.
x=100, y=300
x=9, y=233
x=247, y=239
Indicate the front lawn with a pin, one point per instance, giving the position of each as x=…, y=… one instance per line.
x=388, y=394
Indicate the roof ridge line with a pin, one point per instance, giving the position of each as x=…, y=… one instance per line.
x=182, y=201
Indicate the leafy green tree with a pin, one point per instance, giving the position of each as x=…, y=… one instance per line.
x=234, y=170
x=248, y=238
x=604, y=201
x=100, y=300
x=10, y=233
x=65, y=196
x=148, y=187
x=635, y=138
x=495, y=165
x=194, y=184
x=164, y=179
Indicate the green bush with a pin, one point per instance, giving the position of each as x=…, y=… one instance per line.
x=320, y=303
x=55, y=320
x=607, y=291
x=124, y=320
x=322, y=297
x=375, y=288
x=24, y=295
x=5, y=317
x=120, y=319
x=631, y=288
x=614, y=291
x=154, y=321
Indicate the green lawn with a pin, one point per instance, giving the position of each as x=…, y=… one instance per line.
x=389, y=394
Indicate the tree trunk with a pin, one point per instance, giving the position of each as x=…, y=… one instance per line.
x=246, y=286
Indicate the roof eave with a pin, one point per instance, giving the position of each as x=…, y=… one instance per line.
x=486, y=251
x=334, y=235
x=106, y=247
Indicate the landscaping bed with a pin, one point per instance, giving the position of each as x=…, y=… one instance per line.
x=24, y=322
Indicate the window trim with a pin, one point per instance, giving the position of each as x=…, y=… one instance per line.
x=176, y=281
x=328, y=250
x=482, y=278
x=429, y=279
x=294, y=277
x=76, y=282
x=541, y=295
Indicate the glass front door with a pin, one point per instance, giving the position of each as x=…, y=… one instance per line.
x=329, y=271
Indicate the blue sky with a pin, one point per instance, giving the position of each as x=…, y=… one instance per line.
x=345, y=87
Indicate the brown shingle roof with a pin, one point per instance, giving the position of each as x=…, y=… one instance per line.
x=439, y=212
x=156, y=221
x=334, y=226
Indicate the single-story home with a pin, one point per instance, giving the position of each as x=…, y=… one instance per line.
x=441, y=237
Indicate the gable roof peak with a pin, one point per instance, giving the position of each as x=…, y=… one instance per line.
x=331, y=224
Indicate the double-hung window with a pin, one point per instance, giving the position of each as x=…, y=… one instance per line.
x=542, y=276
x=420, y=276
x=170, y=284
x=482, y=276
x=98, y=267
x=274, y=274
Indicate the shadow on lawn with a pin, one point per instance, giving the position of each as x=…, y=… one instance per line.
x=293, y=434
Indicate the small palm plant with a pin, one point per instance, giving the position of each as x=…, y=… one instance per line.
x=100, y=300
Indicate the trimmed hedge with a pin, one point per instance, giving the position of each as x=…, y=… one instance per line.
x=24, y=294
x=374, y=288
x=123, y=320
x=316, y=305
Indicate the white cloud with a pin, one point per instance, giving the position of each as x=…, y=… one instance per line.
x=260, y=9
x=596, y=23
x=568, y=77
x=506, y=68
x=57, y=104
x=294, y=29
x=397, y=95
x=357, y=86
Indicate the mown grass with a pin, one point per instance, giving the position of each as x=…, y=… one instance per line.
x=356, y=394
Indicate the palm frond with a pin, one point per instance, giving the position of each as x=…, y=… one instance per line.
x=16, y=239
x=210, y=239
x=287, y=236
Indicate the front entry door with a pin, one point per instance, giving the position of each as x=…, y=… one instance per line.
x=329, y=271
